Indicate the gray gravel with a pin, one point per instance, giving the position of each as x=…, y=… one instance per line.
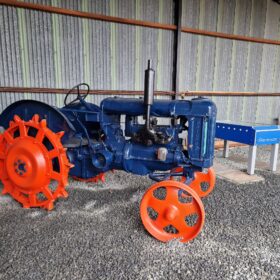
x=238, y=157
x=97, y=234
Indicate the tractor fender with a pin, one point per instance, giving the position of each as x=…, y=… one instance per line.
x=26, y=109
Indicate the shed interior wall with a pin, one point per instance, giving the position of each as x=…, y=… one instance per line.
x=39, y=49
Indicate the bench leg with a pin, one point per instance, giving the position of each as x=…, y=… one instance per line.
x=252, y=160
x=273, y=157
x=226, y=148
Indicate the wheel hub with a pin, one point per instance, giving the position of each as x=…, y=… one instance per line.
x=171, y=213
x=30, y=165
x=20, y=167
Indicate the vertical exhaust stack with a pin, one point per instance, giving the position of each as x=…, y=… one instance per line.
x=148, y=134
x=149, y=92
x=149, y=85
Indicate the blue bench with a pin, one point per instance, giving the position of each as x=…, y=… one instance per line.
x=252, y=135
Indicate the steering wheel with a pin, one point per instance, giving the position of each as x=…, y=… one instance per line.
x=80, y=97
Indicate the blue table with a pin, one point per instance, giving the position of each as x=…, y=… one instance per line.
x=253, y=135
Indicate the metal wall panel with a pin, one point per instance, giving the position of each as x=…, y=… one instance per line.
x=10, y=56
x=49, y=50
x=254, y=62
x=206, y=45
x=227, y=65
x=222, y=70
x=189, y=45
x=266, y=106
x=239, y=59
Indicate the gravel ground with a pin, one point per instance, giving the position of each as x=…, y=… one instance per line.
x=97, y=234
x=238, y=157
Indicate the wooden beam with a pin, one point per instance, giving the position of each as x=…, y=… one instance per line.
x=230, y=36
x=136, y=92
x=64, y=91
x=75, y=13
x=228, y=93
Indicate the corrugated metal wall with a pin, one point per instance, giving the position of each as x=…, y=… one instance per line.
x=226, y=65
x=39, y=49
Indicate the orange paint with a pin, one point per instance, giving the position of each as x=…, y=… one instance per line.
x=26, y=163
x=199, y=178
x=172, y=211
x=99, y=177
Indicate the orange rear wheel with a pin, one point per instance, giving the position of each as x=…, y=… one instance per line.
x=171, y=209
x=34, y=163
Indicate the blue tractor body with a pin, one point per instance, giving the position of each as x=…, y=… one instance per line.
x=96, y=141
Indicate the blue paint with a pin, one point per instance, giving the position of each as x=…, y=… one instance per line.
x=248, y=134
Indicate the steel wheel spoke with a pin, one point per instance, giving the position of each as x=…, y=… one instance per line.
x=157, y=204
x=161, y=222
x=56, y=176
x=40, y=136
x=179, y=224
x=47, y=192
x=172, y=195
x=22, y=129
x=190, y=208
x=53, y=153
x=8, y=137
x=32, y=199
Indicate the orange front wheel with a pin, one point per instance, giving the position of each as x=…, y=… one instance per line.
x=171, y=209
x=203, y=183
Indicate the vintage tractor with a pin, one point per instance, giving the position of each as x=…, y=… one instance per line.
x=42, y=145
